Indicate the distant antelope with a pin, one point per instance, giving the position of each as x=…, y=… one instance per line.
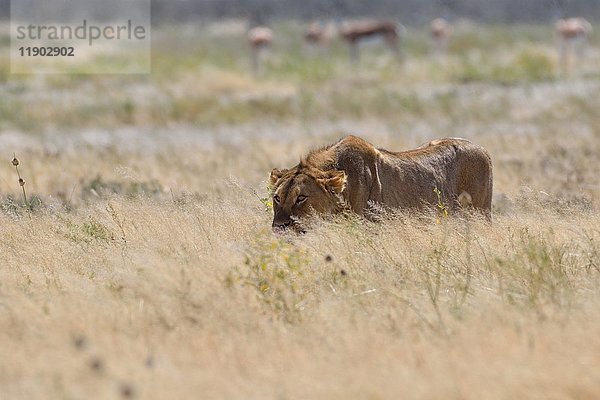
x=441, y=32
x=572, y=34
x=315, y=34
x=354, y=33
x=259, y=38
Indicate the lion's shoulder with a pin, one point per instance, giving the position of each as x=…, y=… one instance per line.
x=449, y=141
x=351, y=144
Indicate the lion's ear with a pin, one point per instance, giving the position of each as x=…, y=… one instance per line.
x=335, y=181
x=276, y=174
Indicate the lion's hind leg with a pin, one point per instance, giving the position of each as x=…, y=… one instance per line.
x=465, y=200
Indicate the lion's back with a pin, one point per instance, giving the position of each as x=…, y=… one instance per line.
x=406, y=179
x=453, y=165
x=463, y=167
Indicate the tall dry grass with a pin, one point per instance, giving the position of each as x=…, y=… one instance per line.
x=148, y=268
x=156, y=273
x=183, y=300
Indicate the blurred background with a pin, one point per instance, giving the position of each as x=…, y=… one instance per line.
x=497, y=72
x=415, y=11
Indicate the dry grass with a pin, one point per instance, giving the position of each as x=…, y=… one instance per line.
x=148, y=268
x=181, y=299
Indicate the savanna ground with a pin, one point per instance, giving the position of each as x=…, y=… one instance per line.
x=147, y=267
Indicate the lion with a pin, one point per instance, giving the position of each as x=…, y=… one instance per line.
x=353, y=175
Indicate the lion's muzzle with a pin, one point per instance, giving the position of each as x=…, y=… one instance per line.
x=281, y=226
x=281, y=222
x=286, y=223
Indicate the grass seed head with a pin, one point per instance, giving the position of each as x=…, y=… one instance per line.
x=127, y=391
x=80, y=342
x=96, y=364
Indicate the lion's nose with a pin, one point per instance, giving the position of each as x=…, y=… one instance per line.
x=280, y=226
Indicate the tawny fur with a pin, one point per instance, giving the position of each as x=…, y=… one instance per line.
x=353, y=174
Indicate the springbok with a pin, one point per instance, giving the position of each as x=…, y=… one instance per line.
x=441, y=32
x=354, y=33
x=259, y=39
x=572, y=35
x=315, y=34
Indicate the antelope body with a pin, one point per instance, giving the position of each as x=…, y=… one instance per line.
x=259, y=39
x=441, y=32
x=315, y=34
x=572, y=35
x=354, y=33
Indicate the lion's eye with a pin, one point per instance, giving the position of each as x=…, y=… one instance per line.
x=300, y=199
x=276, y=198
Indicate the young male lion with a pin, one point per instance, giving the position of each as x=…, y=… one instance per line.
x=353, y=174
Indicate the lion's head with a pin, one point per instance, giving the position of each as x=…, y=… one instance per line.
x=303, y=191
